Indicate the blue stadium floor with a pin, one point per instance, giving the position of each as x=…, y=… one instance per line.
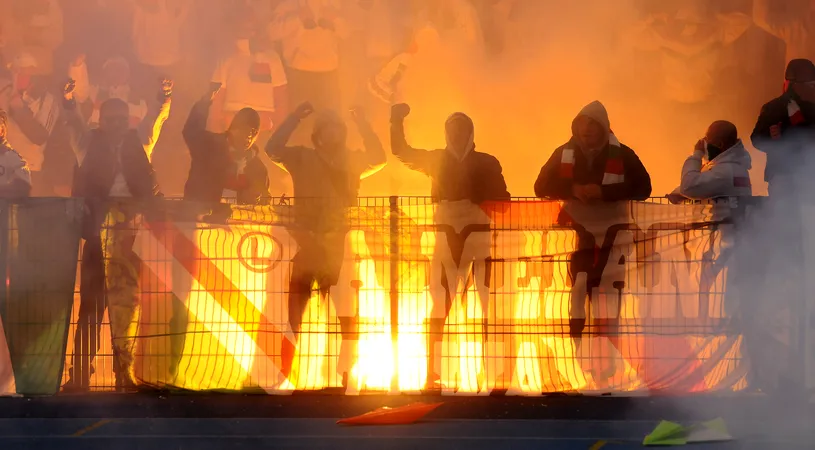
x=308, y=422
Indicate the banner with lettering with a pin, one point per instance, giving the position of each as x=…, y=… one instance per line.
x=38, y=256
x=525, y=298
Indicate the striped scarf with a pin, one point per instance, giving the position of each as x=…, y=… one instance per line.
x=794, y=111
x=614, y=173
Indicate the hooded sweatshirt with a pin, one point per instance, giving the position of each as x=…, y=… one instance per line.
x=469, y=175
x=727, y=175
x=615, y=167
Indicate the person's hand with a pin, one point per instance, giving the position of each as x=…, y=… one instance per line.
x=675, y=198
x=68, y=91
x=400, y=110
x=593, y=192
x=166, y=89
x=214, y=88
x=700, y=149
x=79, y=60
x=775, y=131
x=304, y=110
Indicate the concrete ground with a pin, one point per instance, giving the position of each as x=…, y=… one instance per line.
x=309, y=422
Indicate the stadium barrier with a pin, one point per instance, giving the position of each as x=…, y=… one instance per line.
x=525, y=297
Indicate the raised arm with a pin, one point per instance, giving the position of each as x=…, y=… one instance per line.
x=373, y=159
x=416, y=159
x=277, y=148
x=150, y=127
x=78, y=131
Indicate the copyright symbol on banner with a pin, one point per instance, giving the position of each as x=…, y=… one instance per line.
x=259, y=252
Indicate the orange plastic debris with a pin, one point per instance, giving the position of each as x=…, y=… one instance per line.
x=402, y=415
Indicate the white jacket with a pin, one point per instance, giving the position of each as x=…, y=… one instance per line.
x=727, y=175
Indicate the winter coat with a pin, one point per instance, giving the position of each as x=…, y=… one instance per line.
x=616, y=168
x=99, y=170
x=476, y=177
x=213, y=170
x=727, y=175
x=789, y=151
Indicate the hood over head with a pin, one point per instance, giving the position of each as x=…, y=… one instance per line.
x=471, y=141
x=597, y=112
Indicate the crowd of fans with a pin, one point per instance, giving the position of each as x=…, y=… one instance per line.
x=85, y=122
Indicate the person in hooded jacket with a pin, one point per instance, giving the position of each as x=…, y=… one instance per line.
x=326, y=181
x=726, y=172
x=461, y=180
x=591, y=173
x=593, y=165
x=116, y=180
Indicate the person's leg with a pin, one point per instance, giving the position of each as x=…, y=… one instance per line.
x=299, y=293
x=122, y=270
x=91, y=311
x=184, y=251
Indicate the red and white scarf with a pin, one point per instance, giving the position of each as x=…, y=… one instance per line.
x=614, y=172
x=794, y=111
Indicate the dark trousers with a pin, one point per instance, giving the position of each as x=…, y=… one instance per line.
x=318, y=262
x=91, y=311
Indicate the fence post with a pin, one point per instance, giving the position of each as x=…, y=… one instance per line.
x=394, y=287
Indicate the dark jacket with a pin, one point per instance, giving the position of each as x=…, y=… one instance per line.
x=636, y=186
x=325, y=184
x=477, y=177
x=97, y=164
x=212, y=166
x=786, y=152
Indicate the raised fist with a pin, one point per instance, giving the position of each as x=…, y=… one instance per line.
x=166, y=89
x=400, y=111
x=214, y=88
x=68, y=91
x=304, y=110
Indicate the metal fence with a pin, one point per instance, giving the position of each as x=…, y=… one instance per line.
x=454, y=298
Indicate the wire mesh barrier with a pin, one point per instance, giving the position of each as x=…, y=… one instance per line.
x=389, y=295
